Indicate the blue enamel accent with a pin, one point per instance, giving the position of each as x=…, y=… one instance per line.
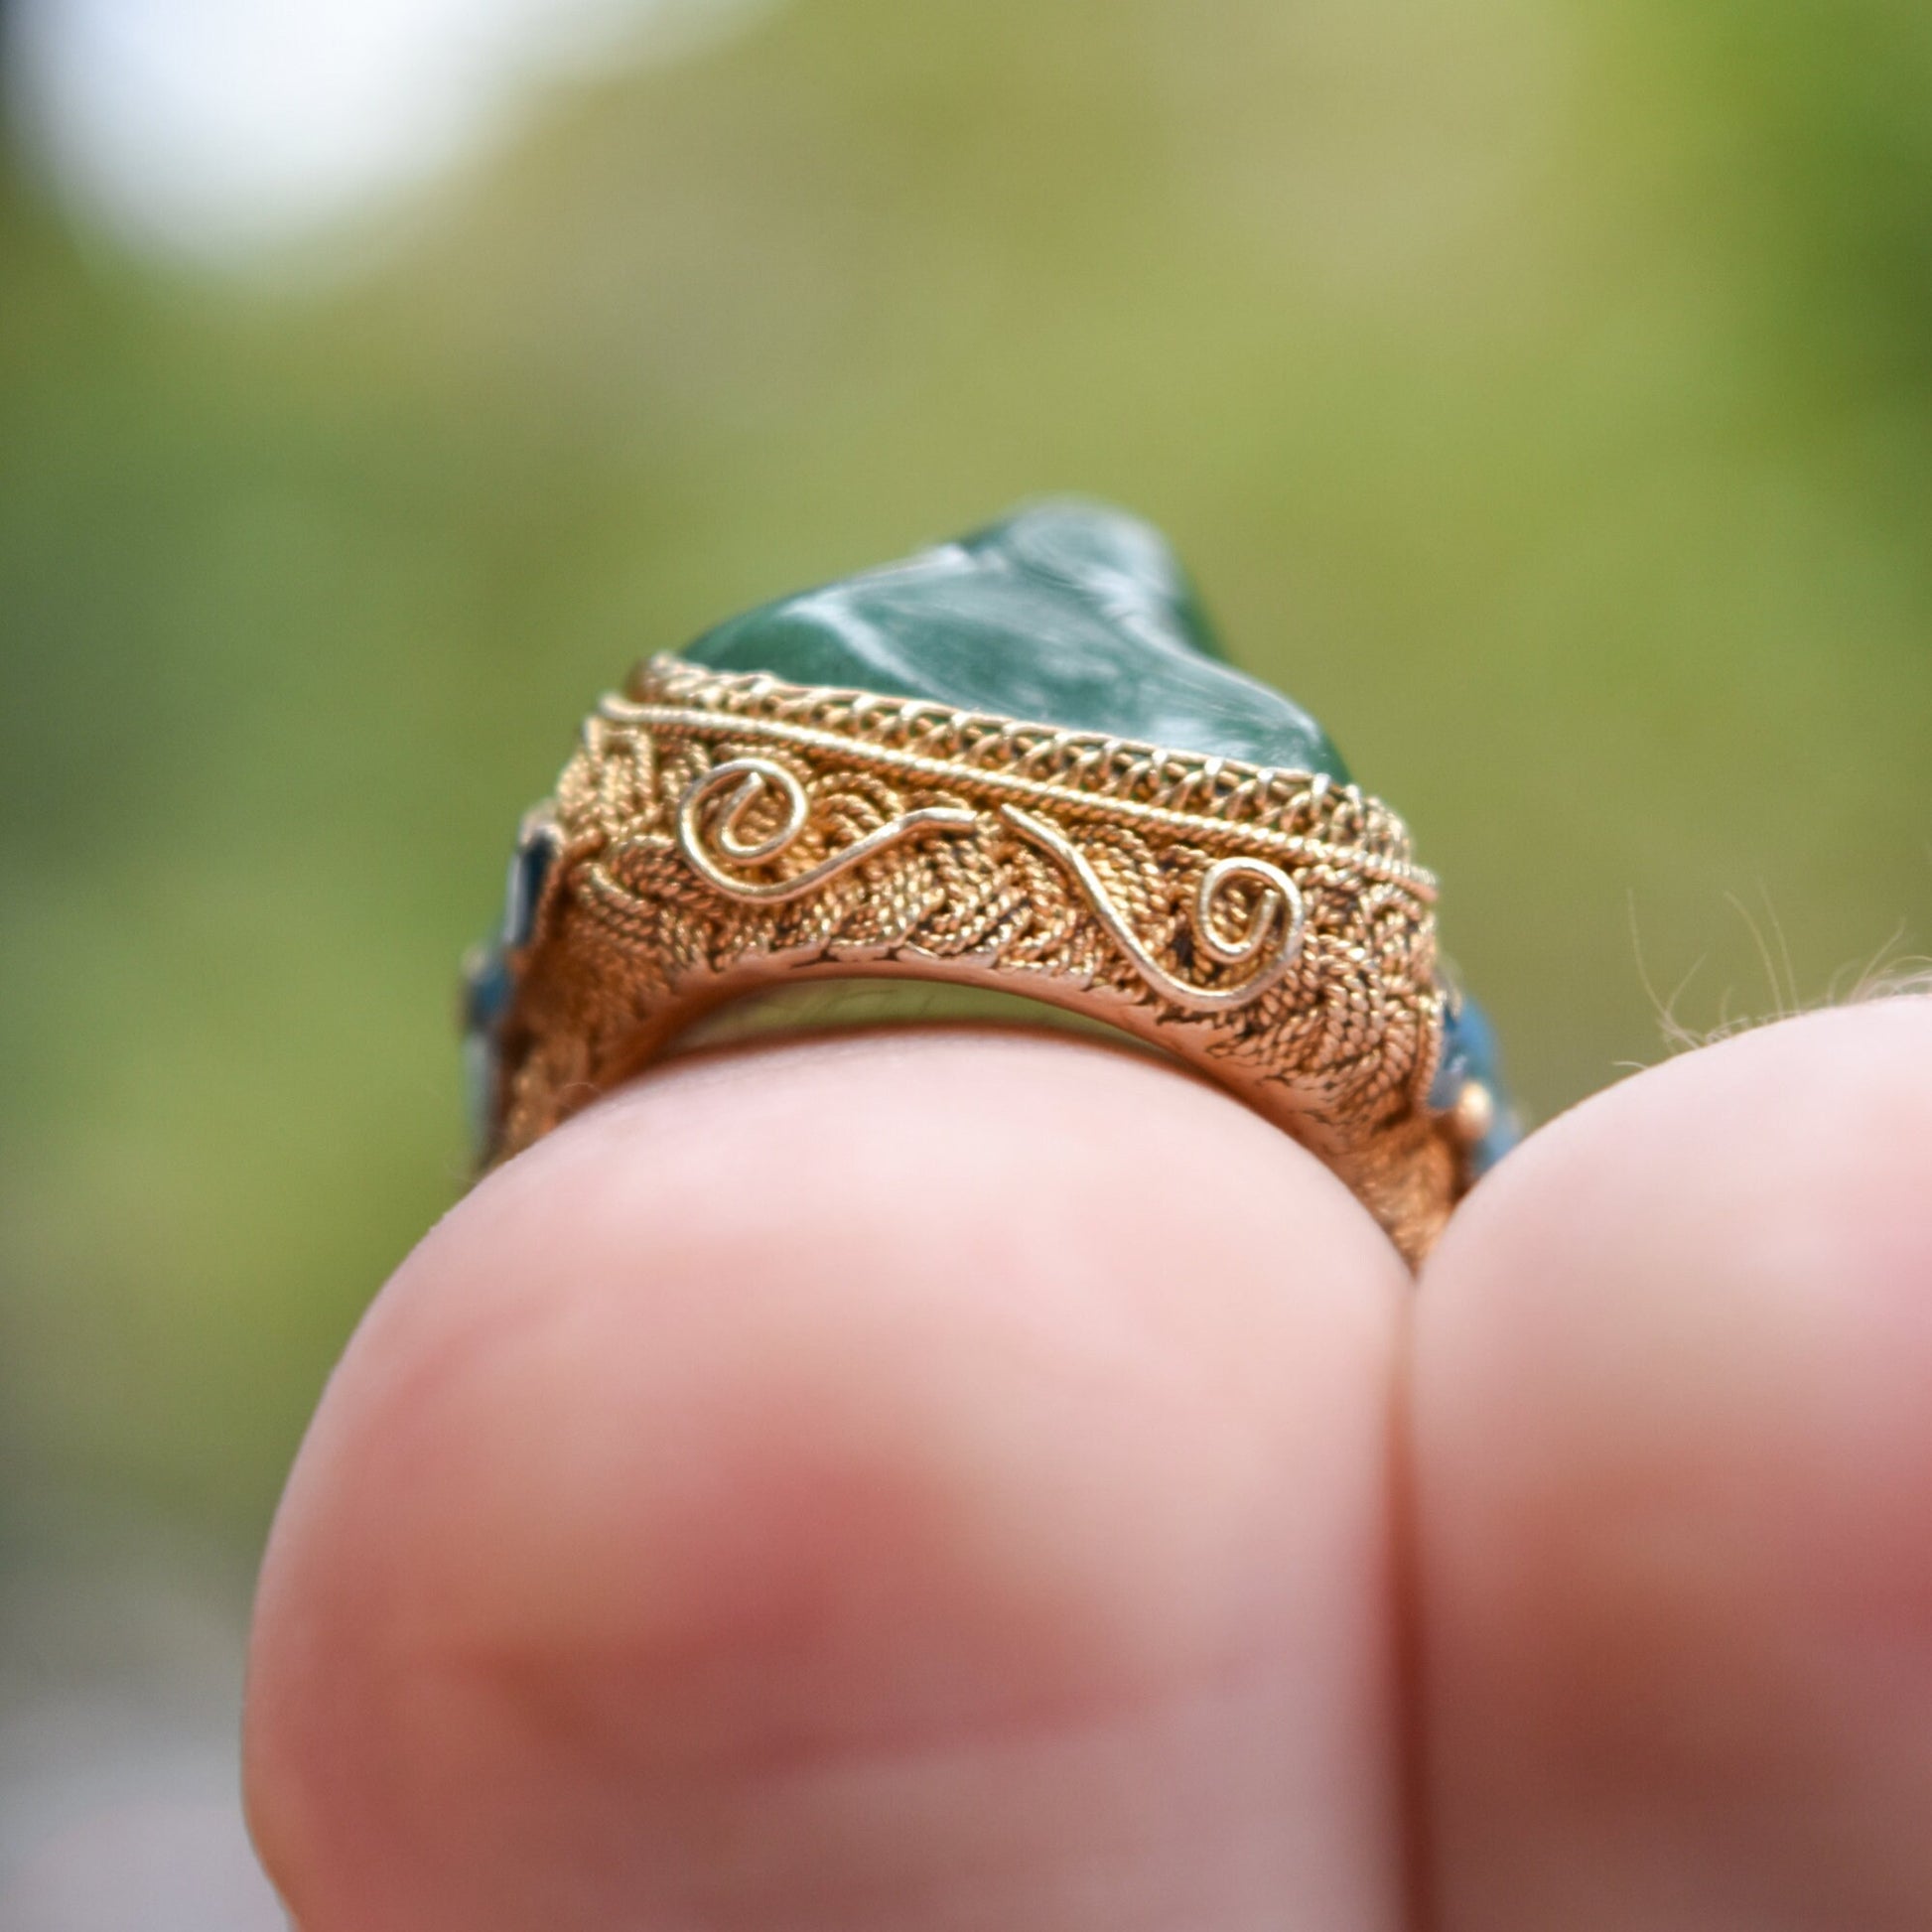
x=536, y=853
x=487, y=987
x=1471, y=1053
x=490, y=978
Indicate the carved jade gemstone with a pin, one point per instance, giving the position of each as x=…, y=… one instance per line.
x=1067, y=614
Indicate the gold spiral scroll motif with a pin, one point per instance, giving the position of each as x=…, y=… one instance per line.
x=1278, y=906
x=748, y=782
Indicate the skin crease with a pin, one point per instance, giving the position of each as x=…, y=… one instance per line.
x=959, y=1480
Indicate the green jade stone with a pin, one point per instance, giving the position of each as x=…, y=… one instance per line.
x=1064, y=614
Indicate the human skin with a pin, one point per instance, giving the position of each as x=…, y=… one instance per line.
x=939, y=1480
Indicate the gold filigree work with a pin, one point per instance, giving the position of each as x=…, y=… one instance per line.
x=718, y=833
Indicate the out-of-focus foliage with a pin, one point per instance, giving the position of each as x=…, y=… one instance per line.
x=1541, y=390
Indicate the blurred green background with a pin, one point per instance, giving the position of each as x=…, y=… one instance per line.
x=1540, y=390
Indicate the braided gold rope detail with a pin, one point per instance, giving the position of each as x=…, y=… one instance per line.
x=718, y=833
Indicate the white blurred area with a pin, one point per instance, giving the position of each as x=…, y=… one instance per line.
x=240, y=133
x=120, y=1703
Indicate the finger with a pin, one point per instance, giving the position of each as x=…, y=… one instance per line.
x=917, y=1482
x=1674, y=1436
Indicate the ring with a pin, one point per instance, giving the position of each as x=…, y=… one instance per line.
x=931, y=773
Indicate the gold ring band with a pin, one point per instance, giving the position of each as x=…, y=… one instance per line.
x=719, y=833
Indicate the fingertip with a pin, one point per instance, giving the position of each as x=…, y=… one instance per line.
x=802, y=1415
x=1675, y=1465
